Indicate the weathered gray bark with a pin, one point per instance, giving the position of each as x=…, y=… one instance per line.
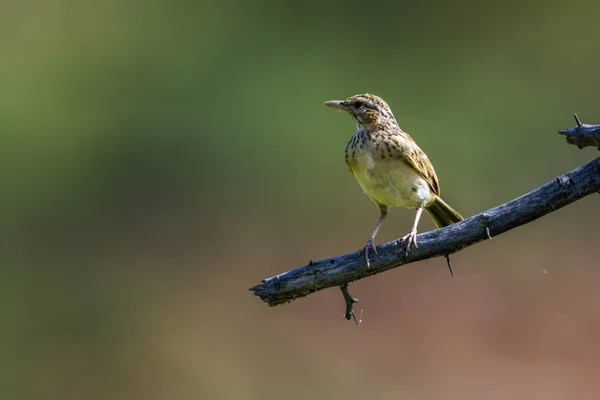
x=341, y=270
x=582, y=135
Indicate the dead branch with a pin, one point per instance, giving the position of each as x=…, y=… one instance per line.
x=341, y=270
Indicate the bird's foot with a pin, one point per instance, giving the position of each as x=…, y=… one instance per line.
x=370, y=245
x=407, y=240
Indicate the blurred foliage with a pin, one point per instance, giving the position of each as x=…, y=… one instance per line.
x=153, y=149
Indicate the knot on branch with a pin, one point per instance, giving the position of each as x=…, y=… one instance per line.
x=484, y=221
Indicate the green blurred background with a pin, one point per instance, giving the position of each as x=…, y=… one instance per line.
x=159, y=158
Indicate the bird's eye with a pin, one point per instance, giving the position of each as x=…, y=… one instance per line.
x=358, y=104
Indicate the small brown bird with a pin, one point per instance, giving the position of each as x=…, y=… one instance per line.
x=389, y=166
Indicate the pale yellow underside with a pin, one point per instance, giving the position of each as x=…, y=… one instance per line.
x=391, y=182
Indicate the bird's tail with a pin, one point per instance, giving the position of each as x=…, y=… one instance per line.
x=442, y=213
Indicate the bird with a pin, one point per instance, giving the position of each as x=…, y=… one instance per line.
x=391, y=168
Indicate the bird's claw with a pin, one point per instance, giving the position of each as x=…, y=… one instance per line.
x=370, y=245
x=407, y=240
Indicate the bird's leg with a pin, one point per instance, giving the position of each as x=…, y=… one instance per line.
x=371, y=241
x=411, y=237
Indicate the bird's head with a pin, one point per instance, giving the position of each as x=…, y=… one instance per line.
x=367, y=110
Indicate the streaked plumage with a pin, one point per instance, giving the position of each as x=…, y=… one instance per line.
x=390, y=167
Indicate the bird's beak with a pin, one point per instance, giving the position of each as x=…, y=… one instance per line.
x=338, y=104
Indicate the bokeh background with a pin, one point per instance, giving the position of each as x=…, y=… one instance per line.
x=161, y=157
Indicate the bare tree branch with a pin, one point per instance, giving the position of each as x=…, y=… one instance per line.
x=341, y=270
x=582, y=135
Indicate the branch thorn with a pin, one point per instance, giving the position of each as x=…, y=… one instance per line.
x=447, y=256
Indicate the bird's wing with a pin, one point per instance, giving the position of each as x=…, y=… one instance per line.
x=416, y=158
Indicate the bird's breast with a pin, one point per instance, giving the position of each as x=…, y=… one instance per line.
x=386, y=177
